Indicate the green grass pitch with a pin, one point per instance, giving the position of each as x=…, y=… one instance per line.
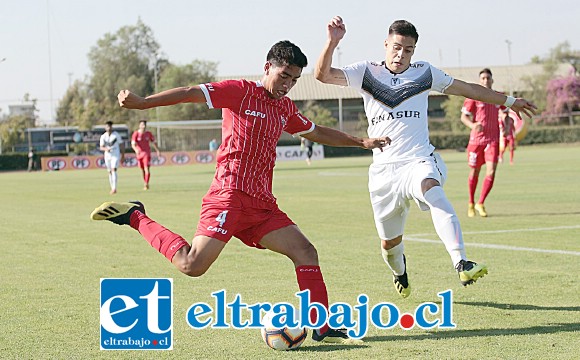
x=528, y=307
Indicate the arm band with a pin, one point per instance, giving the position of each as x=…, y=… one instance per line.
x=509, y=101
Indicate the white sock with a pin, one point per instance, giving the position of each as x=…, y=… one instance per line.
x=114, y=180
x=394, y=258
x=446, y=223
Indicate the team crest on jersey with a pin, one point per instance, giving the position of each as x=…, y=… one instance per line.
x=283, y=120
x=395, y=81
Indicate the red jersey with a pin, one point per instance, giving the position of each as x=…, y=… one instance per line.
x=486, y=115
x=252, y=125
x=142, y=140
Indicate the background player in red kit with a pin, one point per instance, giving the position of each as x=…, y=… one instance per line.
x=507, y=135
x=483, y=147
x=240, y=202
x=140, y=141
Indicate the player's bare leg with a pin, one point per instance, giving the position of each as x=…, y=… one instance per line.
x=195, y=259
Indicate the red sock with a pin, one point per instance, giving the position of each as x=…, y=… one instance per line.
x=487, y=185
x=147, y=177
x=163, y=240
x=310, y=277
x=472, y=184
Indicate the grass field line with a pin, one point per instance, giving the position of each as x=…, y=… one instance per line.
x=554, y=228
x=418, y=238
x=501, y=247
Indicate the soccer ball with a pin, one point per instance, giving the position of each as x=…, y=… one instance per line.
x=284, y=338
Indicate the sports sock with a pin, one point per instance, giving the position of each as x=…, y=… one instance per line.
x=111, y=183
x=486, y=188
x=472, y=185
x=446, y=223
x=394, y=258
x=147, y=177
x=162, y=239
x=114, y=180
x=310, y=277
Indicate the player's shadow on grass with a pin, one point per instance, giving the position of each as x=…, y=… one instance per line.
x=518, y=306
x=453, y=334
x=312, y=347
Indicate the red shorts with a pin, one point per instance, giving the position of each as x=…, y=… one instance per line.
x=144, y=160
x=477, y=155
x=227, y=213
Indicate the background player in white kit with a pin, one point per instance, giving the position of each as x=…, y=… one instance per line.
x=395, y=94
x=111, y=143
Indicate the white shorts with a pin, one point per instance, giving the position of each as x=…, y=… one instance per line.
x=112, y=161
x=391, y=186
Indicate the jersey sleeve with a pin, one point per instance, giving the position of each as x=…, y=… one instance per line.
x=355, y=73
x=468, y=107
x=297, y=123
x=134, y=137
x=151, y=136
x=441, y=80
x=224, y=94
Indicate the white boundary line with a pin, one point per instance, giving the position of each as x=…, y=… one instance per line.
x=417, y=238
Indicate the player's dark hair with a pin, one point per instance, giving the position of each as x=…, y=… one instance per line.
x=143, y=121
x=110, y=123
x=284, y=53
x=486, y=71
x=404, y=28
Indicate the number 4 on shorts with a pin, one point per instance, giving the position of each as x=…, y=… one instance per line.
x=221, y=218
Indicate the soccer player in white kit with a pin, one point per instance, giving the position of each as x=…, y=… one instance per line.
x=111, y=143
x=395, y=94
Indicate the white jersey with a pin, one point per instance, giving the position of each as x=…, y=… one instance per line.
x=396, y=106
x=113, y=141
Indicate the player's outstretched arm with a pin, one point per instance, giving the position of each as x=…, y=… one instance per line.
x=478, y=92
x=332, y=137
x=323, y=70
x=192, y=94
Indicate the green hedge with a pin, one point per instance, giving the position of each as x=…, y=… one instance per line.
x=441, y=140
x=552, y=134
x=19, y=161
x=448, y=140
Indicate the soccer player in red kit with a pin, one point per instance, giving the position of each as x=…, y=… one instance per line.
x=507, y=135
x=140, y=141
x=240, y=202
x=483, y=147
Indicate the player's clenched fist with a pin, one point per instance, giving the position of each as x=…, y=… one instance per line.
x=128, y=100
x=336, y=29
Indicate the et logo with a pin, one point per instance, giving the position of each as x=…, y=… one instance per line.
x=136, y=314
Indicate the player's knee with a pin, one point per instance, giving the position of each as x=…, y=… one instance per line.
x=389, y=244
x=305, y=254
x=190, y=268
x=428, y=183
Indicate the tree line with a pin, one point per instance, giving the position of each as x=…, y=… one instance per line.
x=131, y=59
